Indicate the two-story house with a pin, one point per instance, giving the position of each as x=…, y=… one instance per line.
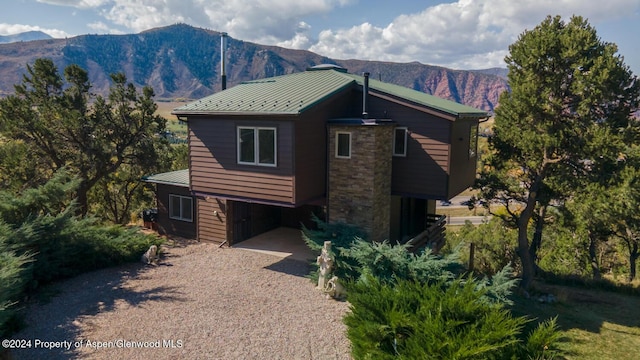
x=271, y=152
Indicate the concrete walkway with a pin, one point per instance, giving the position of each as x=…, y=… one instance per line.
x=282, y=242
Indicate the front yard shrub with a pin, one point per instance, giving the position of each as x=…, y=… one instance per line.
x=389, y=263
x=354, y=256
x=14, y=275
x=42, y=240
x=423, y=306
x=342, y=237
x=440, y=320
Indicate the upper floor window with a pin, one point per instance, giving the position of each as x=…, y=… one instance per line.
x=181, y=207
x=343, y=145
x=473, y=140
x=400, y=141
x=257, y=146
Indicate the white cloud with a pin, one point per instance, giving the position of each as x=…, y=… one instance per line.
x=464, y=34
x=263, y=21
x=103, y=28
x=300, y=40
x=82, y=4
x=10, y=29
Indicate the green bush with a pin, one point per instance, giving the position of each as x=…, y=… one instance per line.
x=42, y=240
x=418, y=306
x=354, y=256
x=391, y=262
x=442, y=320
x=495, y=245
x=342, y=237
x=14, y=275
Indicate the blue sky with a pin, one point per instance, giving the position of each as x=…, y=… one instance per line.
x=463, y=34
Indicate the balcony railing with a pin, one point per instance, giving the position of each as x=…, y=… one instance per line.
x=433, y=236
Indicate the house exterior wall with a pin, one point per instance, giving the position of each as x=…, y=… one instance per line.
x=360, y=187
x=168, y=226
x=212, y=219
x=463, y=172
x=214, y=167
x=424, y=171
x=310, y=156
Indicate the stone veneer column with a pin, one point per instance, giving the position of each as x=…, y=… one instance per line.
x=360, y=187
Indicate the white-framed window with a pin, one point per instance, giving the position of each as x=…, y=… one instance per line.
x=257, y=146
x=473, y=140
x=400, y=141
x=181, y=207
x=343, y=145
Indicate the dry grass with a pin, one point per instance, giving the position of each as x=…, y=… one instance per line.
x=596, y=324
x=173, y=125
x=461, y=211
x=165, y=108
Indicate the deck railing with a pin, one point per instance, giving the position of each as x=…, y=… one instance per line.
x=433, y=236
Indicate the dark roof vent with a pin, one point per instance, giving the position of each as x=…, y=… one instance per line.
x=327, y=67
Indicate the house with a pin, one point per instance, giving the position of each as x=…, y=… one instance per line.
x=272, y=152
x=175, y=214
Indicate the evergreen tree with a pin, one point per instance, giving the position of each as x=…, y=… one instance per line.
x=563, y=123
x=42, y=240
x=64, y=125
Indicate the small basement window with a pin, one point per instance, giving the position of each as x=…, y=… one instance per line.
x=181, y=207
x=400, y=141
x=257, y=146
x=343, y=145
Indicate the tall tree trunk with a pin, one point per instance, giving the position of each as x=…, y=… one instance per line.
x=633, y=258
x=83, y=200
x=528, y=268
x=593, y=257
x=536, y=242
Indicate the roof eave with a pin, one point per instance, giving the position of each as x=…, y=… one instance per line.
x=435, y=110
x=235, y=113
x=161, y=182
x=479, y=115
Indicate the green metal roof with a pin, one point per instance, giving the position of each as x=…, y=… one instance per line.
x=176, y=178
x=287, y=94
x=421, y=98
x=294, y=93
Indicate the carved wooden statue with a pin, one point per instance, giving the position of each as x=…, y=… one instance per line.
x=326, y=265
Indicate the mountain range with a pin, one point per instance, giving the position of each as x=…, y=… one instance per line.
x=183, y=62
x=24, y=36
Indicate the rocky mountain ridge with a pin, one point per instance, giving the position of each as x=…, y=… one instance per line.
x=183, y=62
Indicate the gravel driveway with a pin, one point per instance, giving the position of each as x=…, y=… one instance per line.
x=200, y=302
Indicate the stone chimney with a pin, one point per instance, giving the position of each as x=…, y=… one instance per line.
x=359, y=189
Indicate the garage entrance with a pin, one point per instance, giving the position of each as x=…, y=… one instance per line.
x=250, y=219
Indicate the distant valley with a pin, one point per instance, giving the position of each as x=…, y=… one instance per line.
x=183, y=62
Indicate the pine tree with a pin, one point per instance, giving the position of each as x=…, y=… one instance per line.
x=563, y=123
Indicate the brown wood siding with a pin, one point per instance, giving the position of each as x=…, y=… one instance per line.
x=212, y=219
x=311, y=147
x=214, y=167
x=463, y=167
x=425, y=170
x=168, y=226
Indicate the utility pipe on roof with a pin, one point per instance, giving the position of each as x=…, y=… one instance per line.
x=365, y=96
x=223, y=67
